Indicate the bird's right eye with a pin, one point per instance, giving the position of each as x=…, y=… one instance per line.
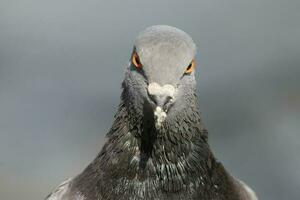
x=190, y=68
x=136, y=60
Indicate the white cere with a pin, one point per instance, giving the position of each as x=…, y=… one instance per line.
x=156, y=89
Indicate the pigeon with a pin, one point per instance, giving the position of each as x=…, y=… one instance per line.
x=157, y=147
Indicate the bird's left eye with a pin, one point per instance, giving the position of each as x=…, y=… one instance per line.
x=190, y=68
x=136, y=60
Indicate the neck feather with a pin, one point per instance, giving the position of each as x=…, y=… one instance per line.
x=138, y=160
x=137, y=149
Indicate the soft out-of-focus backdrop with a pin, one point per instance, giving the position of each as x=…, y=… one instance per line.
x=62, y=62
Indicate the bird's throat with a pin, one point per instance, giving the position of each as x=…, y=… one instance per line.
x=137, y=155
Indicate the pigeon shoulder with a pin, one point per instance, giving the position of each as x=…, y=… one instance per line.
x=245, y=192
x=63, y=192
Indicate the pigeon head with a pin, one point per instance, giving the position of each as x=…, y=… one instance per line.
x=161, y=71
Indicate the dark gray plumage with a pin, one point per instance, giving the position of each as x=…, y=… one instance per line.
x=157, y=146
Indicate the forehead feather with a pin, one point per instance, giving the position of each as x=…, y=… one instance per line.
x=170, y=37
x=164, y=49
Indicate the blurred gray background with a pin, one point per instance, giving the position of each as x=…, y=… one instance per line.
x=62, y=63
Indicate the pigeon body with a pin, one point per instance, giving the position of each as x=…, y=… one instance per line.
x=157, y=146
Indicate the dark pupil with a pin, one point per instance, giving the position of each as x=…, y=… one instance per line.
x=137, y=60
x=189, y=67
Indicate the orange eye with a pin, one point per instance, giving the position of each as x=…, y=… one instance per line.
x=136, y=60
x=191, y=67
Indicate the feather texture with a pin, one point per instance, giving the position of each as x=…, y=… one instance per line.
x=141, y=160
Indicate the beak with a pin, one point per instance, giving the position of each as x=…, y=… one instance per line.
x=162, y=97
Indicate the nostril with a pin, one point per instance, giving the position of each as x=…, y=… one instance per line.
x=168, y=103
x=169, y=99
x=152, y=97
x=160, y=100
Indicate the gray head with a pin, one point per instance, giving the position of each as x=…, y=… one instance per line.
x=161, y=71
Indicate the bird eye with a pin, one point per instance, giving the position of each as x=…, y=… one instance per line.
x=190, y=67
x=136, y=60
